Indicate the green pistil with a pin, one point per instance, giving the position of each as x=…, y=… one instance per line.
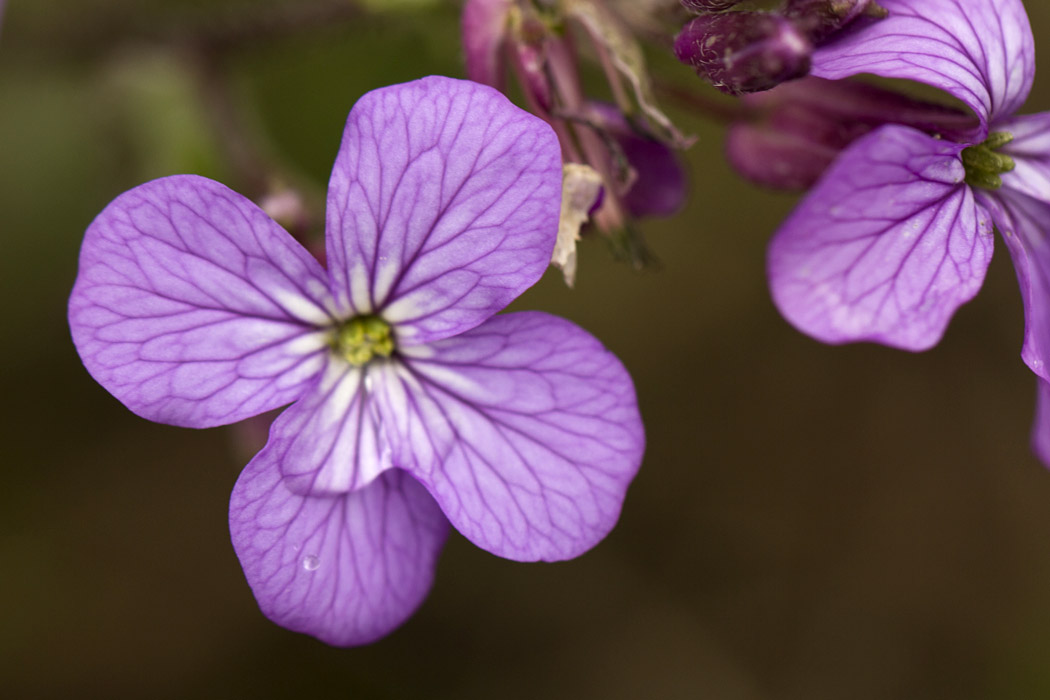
x=984, y=164
x=362, y=338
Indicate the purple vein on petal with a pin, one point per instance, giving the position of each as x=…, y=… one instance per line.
x=524, y=429
x=193, y=308
x=330, y=441
x=885, y=247
x=347, y=569
x=459, y=219
x=980, y=51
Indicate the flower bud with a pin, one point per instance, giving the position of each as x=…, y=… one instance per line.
x=795, y=131
x=483, y=28
x=740, y=52
x=659, y=185
x=819, y=19
x=709, y=5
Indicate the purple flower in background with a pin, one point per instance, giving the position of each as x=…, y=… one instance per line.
x=788, y=136
x=897, y=233
x=413, y=404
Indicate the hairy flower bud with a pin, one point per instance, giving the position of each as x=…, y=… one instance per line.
x=819, y=19
x=709, y=5
x=740, y=52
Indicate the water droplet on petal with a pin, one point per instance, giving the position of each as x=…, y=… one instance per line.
x=310, y=562
x=1037, y=364
x=368, y=383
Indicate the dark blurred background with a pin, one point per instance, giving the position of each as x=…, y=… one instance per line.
x=810, y=522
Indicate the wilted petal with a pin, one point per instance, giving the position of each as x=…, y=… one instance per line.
x=625, y=54
x=885, y=247
x=525, y=429
x=1030, y=150
x=1025, y=224
x=443, y=206
x=581, y=191
x=483, y=26
x=346, y=569
x=980, y=51
x=329, y=441
x=193, y=307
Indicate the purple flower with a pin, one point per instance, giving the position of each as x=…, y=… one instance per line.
x=897, y=233
x=413, y=404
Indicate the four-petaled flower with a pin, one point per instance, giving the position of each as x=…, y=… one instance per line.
x=897, y=233
x=413, y=404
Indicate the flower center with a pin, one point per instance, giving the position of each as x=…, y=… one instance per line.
x=361, y=338
x=984, y=164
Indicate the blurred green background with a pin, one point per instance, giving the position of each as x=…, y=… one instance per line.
x=810, y=522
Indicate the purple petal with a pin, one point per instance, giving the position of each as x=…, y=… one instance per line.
x=1030, y=150
x=483, y=26
x=194, y=308
x=525, y=429
x=346, y=569
x=329, y=441
x=1024, y=223
x=885, y=247
x=1041, y=424
x=980, y=51
x=443, y=206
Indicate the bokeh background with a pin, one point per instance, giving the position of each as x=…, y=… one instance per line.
x=810, y=522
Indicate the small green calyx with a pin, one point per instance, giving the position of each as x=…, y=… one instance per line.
x=984, y=164
x=362, y=338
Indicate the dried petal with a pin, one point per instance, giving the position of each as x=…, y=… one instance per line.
x=626, y=56
x=581, y=191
